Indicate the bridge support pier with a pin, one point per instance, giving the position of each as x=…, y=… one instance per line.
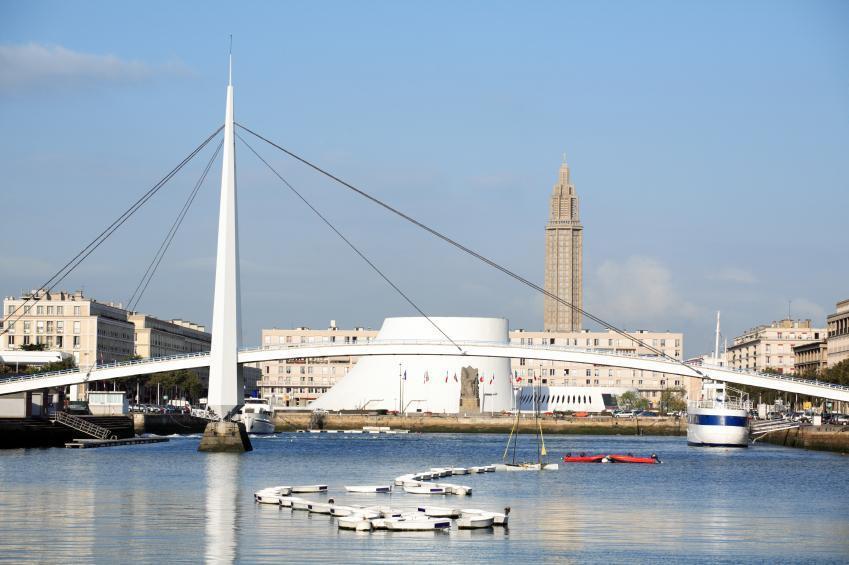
x=229, y=437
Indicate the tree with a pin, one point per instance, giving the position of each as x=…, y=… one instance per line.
x=633, y=400
x=839, y=374
x=673, y=399
x=34, y=347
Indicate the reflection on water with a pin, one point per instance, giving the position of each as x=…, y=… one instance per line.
x=166, y=502
x=222, y=472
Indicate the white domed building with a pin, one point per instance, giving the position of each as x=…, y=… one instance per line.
x=428, y=383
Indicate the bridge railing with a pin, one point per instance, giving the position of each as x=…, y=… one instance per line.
x=324, y=345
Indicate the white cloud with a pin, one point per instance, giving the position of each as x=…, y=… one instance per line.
x=734, y=275
x=34, y=65
x=638, y=292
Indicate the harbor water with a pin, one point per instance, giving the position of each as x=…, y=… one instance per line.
x=167, y=502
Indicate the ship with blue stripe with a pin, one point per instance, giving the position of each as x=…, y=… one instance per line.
x=718, y=419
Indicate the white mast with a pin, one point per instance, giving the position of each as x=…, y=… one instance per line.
x=224, y=393
x=716, y=342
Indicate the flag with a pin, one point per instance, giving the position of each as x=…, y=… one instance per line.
x=481, y=377
x=446, y=376
x=455, y=378
x=492, y=378
x=405, y=375
x=426, y=377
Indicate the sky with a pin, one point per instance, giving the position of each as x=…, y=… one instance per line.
x=708, y=142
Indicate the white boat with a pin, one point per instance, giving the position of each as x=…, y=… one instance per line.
x=717, y=419
x=459, y=471
x=417, y=524
x=256, y=415
x=343, y=510
x=439, y=511
x=271, y=494
x=440, y=472
x=399, y=481
x=321, y=507
x=424, y=489
x=289, y=501
x=498, y=519
x=461, y=490
x=518, y=466
x=370, y=489
x=475, y=470
x=475, y=521
x=489, y=468
x=359, y=522
x=301, y=504
x=309, y=488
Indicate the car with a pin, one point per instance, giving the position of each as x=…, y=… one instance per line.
x=842, y=419
x=625, y=413
x=647, y=414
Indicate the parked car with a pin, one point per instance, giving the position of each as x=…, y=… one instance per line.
x=647, y=414
x=625, y=413
x=842, y=419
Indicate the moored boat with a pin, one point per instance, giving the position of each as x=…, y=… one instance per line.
x=370, y=489
x=424, y=489
x=717, y=420
x=439, y=511
x=619, y=458
x=583, y=458
x=417, y=524
x=475, y=521
x=309, y=488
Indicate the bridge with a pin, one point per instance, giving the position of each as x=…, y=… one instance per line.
x=226, y=354
x=111, y=371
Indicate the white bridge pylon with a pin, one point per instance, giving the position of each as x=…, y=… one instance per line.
x=441, y=348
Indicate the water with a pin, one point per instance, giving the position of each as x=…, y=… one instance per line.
x=161, y=502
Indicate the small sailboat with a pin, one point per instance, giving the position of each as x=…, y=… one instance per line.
x=540, y=464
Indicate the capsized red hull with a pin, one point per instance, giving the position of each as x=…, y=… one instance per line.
x=583, y=458
x=632, y=459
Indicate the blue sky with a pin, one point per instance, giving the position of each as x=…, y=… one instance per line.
x=708, y=142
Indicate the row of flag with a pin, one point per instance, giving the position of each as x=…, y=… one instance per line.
x=515, y=376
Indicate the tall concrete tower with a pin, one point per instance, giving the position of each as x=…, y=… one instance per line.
x=564, y=245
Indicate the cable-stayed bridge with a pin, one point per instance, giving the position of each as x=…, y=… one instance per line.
x=440, y=348
x=226, y=353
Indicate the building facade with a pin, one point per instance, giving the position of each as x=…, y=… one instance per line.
x=563, y=257
x=810, y=358
x=650, y=384
x=770, y=347
x=93, y=332
x=297, y=382
x=838, y=334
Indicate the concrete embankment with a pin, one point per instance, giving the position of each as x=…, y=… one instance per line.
x=819, y=438
x=167, y=424
x=290, y=421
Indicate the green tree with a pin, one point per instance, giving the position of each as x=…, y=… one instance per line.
x=633, y=400
x=839, y=374
x=34, y=347
x=672, y=399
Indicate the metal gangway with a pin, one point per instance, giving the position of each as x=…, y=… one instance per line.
x=757, y=430
x=84, y=426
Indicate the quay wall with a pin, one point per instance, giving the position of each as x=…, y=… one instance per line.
x=818, y=438
x=291, y=421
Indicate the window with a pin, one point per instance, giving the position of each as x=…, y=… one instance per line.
x=39, y=310
x=11, y=340
x=60, y=341
x=11, y=309
x=76, y=326
x=39, y=326
x=27, y=309
x=11, y=327
x=27, y=326
x=49, y=327
x=26, y=340
x=60, y=310
x=268, y=340
x=589, y=374
x=60, y=326
x=77, y=311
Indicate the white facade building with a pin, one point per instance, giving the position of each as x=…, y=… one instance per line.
x=428, y=383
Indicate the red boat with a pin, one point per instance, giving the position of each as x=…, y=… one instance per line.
x=631, y=459
x=583, y=458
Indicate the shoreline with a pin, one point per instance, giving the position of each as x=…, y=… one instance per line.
x=660, y=426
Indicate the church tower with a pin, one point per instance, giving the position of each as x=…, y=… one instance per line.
x=563, y=256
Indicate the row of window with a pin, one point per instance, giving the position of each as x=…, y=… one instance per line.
x=45, y=326
x=45, y=340
x=45, y=310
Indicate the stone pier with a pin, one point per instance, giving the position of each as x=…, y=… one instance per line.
x=229, y=437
